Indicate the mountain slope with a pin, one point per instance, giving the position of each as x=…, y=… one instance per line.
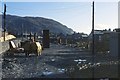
x=17, y=25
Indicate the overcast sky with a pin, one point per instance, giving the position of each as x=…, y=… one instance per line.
x=75, y=15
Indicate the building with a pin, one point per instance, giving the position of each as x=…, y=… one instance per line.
x=106, y=41
x=114, y=42
x=101, y=41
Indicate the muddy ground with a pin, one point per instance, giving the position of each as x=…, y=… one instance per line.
x=59, y=61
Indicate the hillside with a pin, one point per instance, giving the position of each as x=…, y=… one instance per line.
x=17, y=25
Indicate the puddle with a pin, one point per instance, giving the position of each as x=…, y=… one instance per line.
x=61, y=70
x=47, y=73
x=52, y=60
x=80, y=60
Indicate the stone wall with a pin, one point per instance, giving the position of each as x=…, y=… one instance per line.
x=5, y=45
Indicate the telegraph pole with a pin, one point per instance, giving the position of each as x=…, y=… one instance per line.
x=4, y=21
x=93, y=38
